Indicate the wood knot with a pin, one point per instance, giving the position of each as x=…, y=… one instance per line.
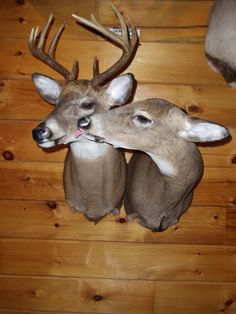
x=22, y=20
x=97, y=297
x=7, y=155
x=20, y=2
x=56, y=225
x=197, y=272
x=122, y=220
x=52, y=204
x=229, y=302
x=233, y=160
x=216, y=217
x=234, y=201
x=194, y=109
x=18, y=53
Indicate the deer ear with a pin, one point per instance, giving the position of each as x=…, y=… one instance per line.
x=119, y=90
x=197, y=130
x=48, y=88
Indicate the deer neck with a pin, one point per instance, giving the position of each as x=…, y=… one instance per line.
x=165, y=166
x=185, y=159
x=88, y=150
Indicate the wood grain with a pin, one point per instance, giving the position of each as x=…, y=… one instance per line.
x=194, y=298
x=230, y=236
x=151, y=19
x=54, y=220
x=19, y=19
x=43, y=181
x=152, y=64
x=158, y=13
x=20, y=100
x=119, y=260
x=55, y=261
x=76, y=295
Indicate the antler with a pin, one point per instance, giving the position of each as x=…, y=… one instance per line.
x=37, y=48
x=127, y=44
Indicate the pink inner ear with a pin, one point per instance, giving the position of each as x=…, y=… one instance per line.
x=78, y=132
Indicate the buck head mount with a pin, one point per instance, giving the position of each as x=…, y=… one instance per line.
x=88, y=188
x=78, y=98
x=159, y=189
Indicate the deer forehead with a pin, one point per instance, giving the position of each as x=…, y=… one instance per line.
x=81, y=91
x=79, y=88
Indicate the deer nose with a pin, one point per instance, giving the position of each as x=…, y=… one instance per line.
x=84, y=123
x=39, y=134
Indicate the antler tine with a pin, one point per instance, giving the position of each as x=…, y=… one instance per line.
x=36, y=46
x=53, y=45
x=124, y=29
x=123, y=41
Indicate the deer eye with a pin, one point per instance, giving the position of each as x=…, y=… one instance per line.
x=88, y=105
x=142, y=119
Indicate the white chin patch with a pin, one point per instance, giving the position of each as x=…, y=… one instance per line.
x=47, y=144
x=164, y=165
x=232, y=84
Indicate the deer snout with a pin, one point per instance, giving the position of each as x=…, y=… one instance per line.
x=84, y=123
x=41, y=133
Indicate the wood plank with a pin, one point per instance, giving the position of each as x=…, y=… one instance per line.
x=172, y=35
x=157, y=13
x=37, y=312
x=43, y=181
x=151, y=64
x=20, y=100
x=19, y=19
x=53, y=220
x=195, y=298
x=76, y=295
x=6, y=311
x=167, y=21
x=16, y=137
x=230, y=236
x=117, y=260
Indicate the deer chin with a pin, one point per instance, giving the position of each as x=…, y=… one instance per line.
x=47, y=144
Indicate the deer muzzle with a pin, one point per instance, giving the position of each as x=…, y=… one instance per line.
x=41, y=133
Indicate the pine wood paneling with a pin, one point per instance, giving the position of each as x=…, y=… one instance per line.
x=153, y=62
x=194, y=298
x=76, y=295
x=19, y=19
x=54, y=220
x=19, y=99
x=55, y=261
x=150, y=16
x=118, y=260
x=231, y=226
x=36, y=312
x=158, y=13
x=43, y=181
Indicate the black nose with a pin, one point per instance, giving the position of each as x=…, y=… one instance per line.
x=84, y=123
x=41, y=133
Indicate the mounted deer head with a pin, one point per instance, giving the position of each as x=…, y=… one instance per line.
x=88, y=188
x=158, y=190
x=220, y=44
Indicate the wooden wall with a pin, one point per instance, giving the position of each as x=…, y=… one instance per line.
x=53, y=261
